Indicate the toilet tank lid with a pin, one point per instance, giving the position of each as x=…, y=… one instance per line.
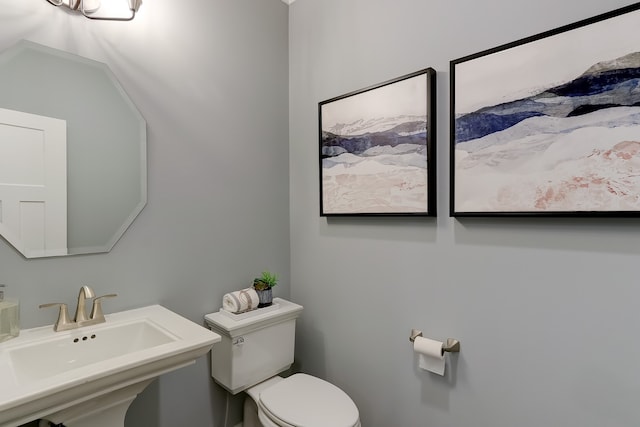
x=224, y=324
x=304, y=400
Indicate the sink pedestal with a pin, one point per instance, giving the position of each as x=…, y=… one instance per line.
x=107, y=410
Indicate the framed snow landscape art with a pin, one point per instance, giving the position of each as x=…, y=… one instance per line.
x=377, y=149
x=550, y=125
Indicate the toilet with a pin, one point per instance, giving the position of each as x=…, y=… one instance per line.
x=257, y=346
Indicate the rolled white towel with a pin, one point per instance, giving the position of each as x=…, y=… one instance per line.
x=240, y=301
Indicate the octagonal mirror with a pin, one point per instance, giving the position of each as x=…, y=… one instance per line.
x=72, y=153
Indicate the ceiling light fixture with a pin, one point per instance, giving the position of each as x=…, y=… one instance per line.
x=93, y=9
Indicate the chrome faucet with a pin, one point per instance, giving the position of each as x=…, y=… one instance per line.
x=64, y=323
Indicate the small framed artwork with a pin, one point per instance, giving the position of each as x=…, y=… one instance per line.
x=550, y=125
x=377, y=149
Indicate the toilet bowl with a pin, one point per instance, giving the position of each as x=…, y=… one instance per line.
x=256, y=347
x=300, y=400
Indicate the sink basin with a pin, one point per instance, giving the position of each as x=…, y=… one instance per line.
x=89, y=376
x=46, y=358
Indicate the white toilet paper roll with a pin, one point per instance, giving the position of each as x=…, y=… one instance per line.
x=430, y=355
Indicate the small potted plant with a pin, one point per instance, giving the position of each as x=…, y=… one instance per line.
x=263, y=285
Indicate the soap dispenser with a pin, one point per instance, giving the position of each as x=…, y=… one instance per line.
x=9, y=317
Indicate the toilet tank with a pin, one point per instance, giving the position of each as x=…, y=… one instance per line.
x=255, y=346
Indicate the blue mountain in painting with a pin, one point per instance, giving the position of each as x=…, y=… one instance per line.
x=412, y=132
x=605, y=85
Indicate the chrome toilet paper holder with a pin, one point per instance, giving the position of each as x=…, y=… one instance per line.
x=450, y=346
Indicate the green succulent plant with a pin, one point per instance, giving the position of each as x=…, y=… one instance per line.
x=266, y=281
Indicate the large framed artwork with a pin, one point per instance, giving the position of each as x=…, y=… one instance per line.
x=377, y=149
x=550, y=125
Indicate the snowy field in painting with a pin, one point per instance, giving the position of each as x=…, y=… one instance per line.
x=380, y=180
x=589, y=162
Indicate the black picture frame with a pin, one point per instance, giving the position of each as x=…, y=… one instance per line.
x=549, y=125
x=377, y=149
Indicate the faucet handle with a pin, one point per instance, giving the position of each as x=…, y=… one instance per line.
x=96, y=310
x=63, y=322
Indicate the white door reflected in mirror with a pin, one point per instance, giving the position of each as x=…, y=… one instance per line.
x=33, y=183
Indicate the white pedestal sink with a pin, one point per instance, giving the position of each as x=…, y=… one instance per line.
x=88, y=377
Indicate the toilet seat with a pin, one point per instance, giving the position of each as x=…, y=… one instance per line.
x=306, y=401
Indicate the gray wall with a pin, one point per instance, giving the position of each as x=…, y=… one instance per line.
x=546, y=310
x=210, y=77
